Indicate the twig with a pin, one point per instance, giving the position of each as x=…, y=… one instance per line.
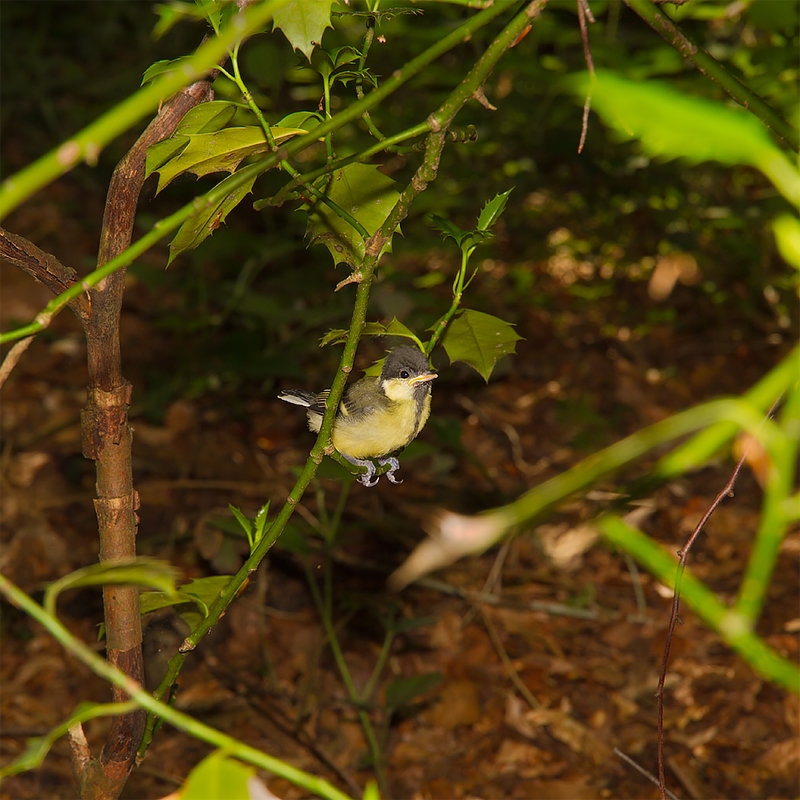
x=12, y=357
x=584, y=13
x=683, y=556
x=642, y=771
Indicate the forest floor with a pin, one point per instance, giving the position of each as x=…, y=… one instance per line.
x=537, y=663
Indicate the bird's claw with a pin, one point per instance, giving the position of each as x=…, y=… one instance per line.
x=394, y=465
x=369, y=478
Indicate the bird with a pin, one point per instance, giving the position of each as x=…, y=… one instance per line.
x=378, y=414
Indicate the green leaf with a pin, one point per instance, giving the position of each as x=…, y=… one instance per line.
x=466, y=240
x=396, y=328
x=205, y=118
x=671, y=125
x=339, y=335
x=479, y=340
x=300, y=119
x=220, y=151
x=200, y=226
x=160, y=67
x=401, y=691
x=216, y=776
x=303, y=23
x=261, y=524
x=246, y=524
x=202, y=592
x=212, y=11
x=140, y=571
x=364, y=192
x=491, y=212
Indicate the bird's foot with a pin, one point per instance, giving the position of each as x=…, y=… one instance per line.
x=394, y=465
x=367, y=478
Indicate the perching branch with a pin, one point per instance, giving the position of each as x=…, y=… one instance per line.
x=438, y=123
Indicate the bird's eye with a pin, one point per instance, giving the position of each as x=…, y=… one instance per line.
x=404, y=374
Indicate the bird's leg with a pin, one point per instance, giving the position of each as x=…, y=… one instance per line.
x=394, y=465
x=367, y=477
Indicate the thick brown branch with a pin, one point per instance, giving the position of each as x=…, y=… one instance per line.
x=107, y=440
x=42, y=267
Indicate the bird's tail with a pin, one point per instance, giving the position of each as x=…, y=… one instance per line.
x=297, y=397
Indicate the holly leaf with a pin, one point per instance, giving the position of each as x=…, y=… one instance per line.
x=303, y=22
x=492, y=210
x=364, y=192
x=207, y=117
x=339, y=335
x=479, y=340
x=200, y=226
x=162, y=67
x=219, y=151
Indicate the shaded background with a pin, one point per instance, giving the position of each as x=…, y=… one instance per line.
x=207, y=344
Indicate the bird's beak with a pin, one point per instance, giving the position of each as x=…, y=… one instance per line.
x=424, y=378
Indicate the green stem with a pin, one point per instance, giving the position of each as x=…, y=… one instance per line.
x=712, y=69
x=368, y=37
x=87, y=144
x=305, y=179
x=285, y=165
x=145, y=700
x=324, y=604
x=728, y=623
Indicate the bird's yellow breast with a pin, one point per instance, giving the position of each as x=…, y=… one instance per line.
x=383, y=430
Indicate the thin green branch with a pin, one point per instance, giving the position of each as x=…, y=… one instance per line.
x=285, y=164
x=144, y=699
x=712, y=69
x=324, y=609
x=87, y=143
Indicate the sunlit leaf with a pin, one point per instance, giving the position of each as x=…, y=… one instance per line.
x=219, y=151
x=364, y=192
x=303, y=22
x=205, y=118
x=479, y=340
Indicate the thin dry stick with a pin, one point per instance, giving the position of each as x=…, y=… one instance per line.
x=519, y=684
x=683, y=557
x=12, y=357
x=585, y=12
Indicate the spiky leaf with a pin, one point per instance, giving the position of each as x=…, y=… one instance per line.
x=479, y=340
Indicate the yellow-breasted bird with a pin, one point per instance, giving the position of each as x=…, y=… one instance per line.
x=379, y=414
